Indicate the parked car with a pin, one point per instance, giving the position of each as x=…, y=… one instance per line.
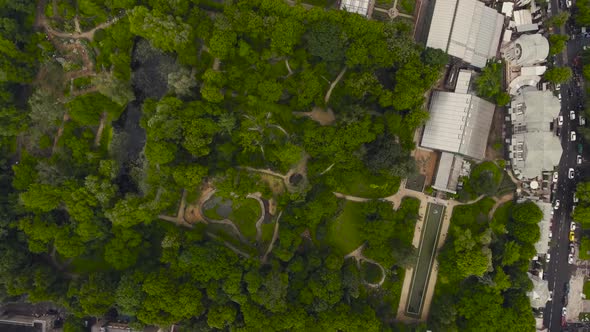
x=573, y=226
x=572, y=249
x=560, y=120
x=547, y=258
x=578, y=159
x=550, y=233
x=572, y=136
x=559, y=96
x=570, y=259
x=575, y=198
x=555, y=176
x=556, y=204
x=564, y=311
x=572, y=236
x=572, y=115
x=582, y=120
x=570, y=173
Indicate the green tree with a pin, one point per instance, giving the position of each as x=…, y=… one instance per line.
x=558, y=74
x=557, y=19
x=557, y=43
x=219, y=317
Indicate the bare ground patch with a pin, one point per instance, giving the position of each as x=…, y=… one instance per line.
x=495, y=146
x=317, y=114
x=426, y=163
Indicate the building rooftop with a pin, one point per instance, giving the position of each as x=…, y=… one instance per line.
x=534, y=147
x=448, y=172
x=466, y=29
x=527, y=50
x=458, y=123
x=542, y=246
x=540, y=293
x=356, y=6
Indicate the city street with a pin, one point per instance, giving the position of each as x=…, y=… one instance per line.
x=559, y=270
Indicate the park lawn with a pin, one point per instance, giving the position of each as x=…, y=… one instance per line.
x=245, y=216
x=267, y=232
x=407, y=6
x=225, y=234
x=343, y=230
x=584, y=249
x=371, y=273
x=587, y=289
x=365, y=184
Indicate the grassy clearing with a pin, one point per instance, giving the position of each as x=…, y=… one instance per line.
x=473, y=216
x=267, y=232
x=371, y=272
x=245, y=216
x=343, y=231
x=501, y=217
x=364, y=184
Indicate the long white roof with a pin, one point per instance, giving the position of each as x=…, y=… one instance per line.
x=458, y=123
x=466, y=29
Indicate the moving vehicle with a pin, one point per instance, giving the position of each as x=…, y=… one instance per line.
x=572, y=115
x=556, y=205
x=570, y=173
x=560, y=120
x=555, y=176
x=572, y=136
x=578, y=159
x=550, y=296
x=572, y=236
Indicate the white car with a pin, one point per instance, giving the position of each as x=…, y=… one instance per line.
x=564, y=311
x=557, y=87
x=570, y=259
x=559, y=96
x=582, y=120
x=569, y=3
x=575, y=198
x=570, y=173
x=550, y=235
x=573, y=226
x=555, y=176
x=572, y=136
x=572, y=115
x=556, y=205
x=547, y=257
x=560, y=120
x=578, y=159
x=550, y=296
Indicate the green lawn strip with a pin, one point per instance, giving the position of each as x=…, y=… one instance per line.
x=587, y=289
x=364, y=184
x=245, y=216
x=406, y=6
x=343, y=231
x=226, y=234
x=584, y=249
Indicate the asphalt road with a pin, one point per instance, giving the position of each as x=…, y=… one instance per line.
x=559, y=270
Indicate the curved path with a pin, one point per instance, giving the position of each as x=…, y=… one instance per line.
x=263, y=212
x=358, y=256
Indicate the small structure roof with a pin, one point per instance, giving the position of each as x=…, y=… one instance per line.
x=540, y=293
x=356, y=6
x=523, y=81
x=507, y=8
x=463, y=81
x=448, y=172
x=533, y=70
x=466, y=29
x=458, y=123
x=523, y=17
x=527, y=27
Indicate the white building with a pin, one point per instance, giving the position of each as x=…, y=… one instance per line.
x=542, y=246
x=527, y=50
x=466, y=29
x=540, y=293
x=534, y=147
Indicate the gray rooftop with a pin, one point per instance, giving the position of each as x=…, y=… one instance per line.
x=466, y=29
x=447, y=174
x=540, y=293
x=356, y=6
x=459, y=123
x=534, y=147
x=542, y=246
